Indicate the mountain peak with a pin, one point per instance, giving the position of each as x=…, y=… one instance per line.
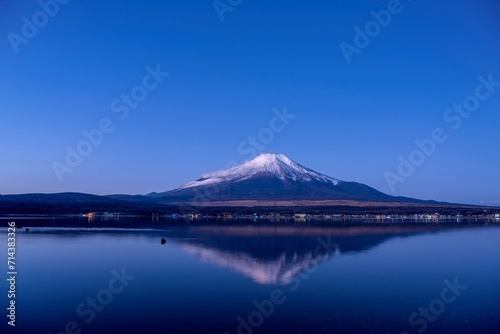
x=266, y=160
x=271, y=159
x=271, y=178
x=265, y=165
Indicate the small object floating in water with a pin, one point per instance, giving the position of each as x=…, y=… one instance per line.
x=27, y=229
x=163, y=241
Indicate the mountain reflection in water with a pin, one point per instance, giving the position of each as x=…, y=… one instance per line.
x=275, y=255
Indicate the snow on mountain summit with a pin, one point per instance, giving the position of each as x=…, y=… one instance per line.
x=272, y=177
x=266, y=164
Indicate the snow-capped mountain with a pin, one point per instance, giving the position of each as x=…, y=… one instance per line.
x=272, y=177
x=265, y=165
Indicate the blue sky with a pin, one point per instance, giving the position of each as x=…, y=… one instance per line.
x=353, y=120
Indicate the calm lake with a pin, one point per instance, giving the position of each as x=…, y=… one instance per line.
x=134, y=276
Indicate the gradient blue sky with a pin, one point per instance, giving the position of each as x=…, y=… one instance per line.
x=353, y=120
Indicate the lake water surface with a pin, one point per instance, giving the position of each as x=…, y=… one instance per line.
x=118, y=277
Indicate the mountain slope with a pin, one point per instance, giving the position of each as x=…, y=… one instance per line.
x=273, y=177
x=270, y=165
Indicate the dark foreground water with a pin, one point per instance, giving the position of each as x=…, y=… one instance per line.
x=249, y=278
